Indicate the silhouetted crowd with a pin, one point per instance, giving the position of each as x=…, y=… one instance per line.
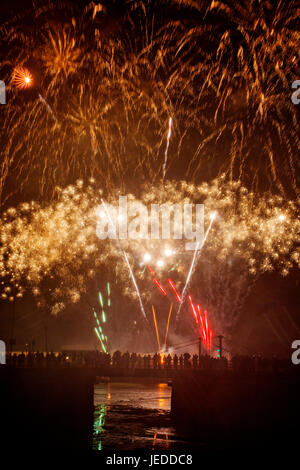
x=132, y=360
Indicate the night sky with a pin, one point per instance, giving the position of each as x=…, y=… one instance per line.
x=106, y=78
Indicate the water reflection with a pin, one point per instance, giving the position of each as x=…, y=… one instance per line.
x=99, y=424
x=163, y=403
x=132, y=416
x=138, y=394
x=163, y=436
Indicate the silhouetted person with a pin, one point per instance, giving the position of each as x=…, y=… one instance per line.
x=145, y=361
x=139, y=361
x=181, y=361
x=195, y=361
x=116, y=359
x=133, y=360
x=125, y=360
x=168, y=361
x=155, y=360
x=186, y=360
x=149, y=361
x=175, y=361
x=21, y=360
x=30, y=359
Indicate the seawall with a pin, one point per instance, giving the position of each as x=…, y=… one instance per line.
x=226, y=409
x=46, y=408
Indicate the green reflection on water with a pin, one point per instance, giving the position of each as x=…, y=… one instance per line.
x=99, y=424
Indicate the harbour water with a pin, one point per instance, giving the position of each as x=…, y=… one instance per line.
x=135, y=414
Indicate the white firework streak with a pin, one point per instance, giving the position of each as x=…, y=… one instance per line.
x=42, y=99
x=167, y=148
x=126, y=259
x=198, y=248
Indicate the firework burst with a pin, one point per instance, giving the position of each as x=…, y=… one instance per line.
x=22, y=78
x=57, y=243
x=223, y=84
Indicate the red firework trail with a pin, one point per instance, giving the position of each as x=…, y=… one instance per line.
x=202, y=320
x=206, y=321
x=159, y=286
x=172, y=285
x=203, y=329
x=199, y=310
x=156, y=281
x=151, y=270
x=193, y=308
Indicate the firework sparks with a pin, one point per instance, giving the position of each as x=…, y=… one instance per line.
x=204, y=100
x=168, y=324
x=197, y=251
x=156, y=328
x=22, y=78
x=231, y=107
x=99, y=332
x=57, y=243
x=167, y=147
x=127, y=262
x=49, y=109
